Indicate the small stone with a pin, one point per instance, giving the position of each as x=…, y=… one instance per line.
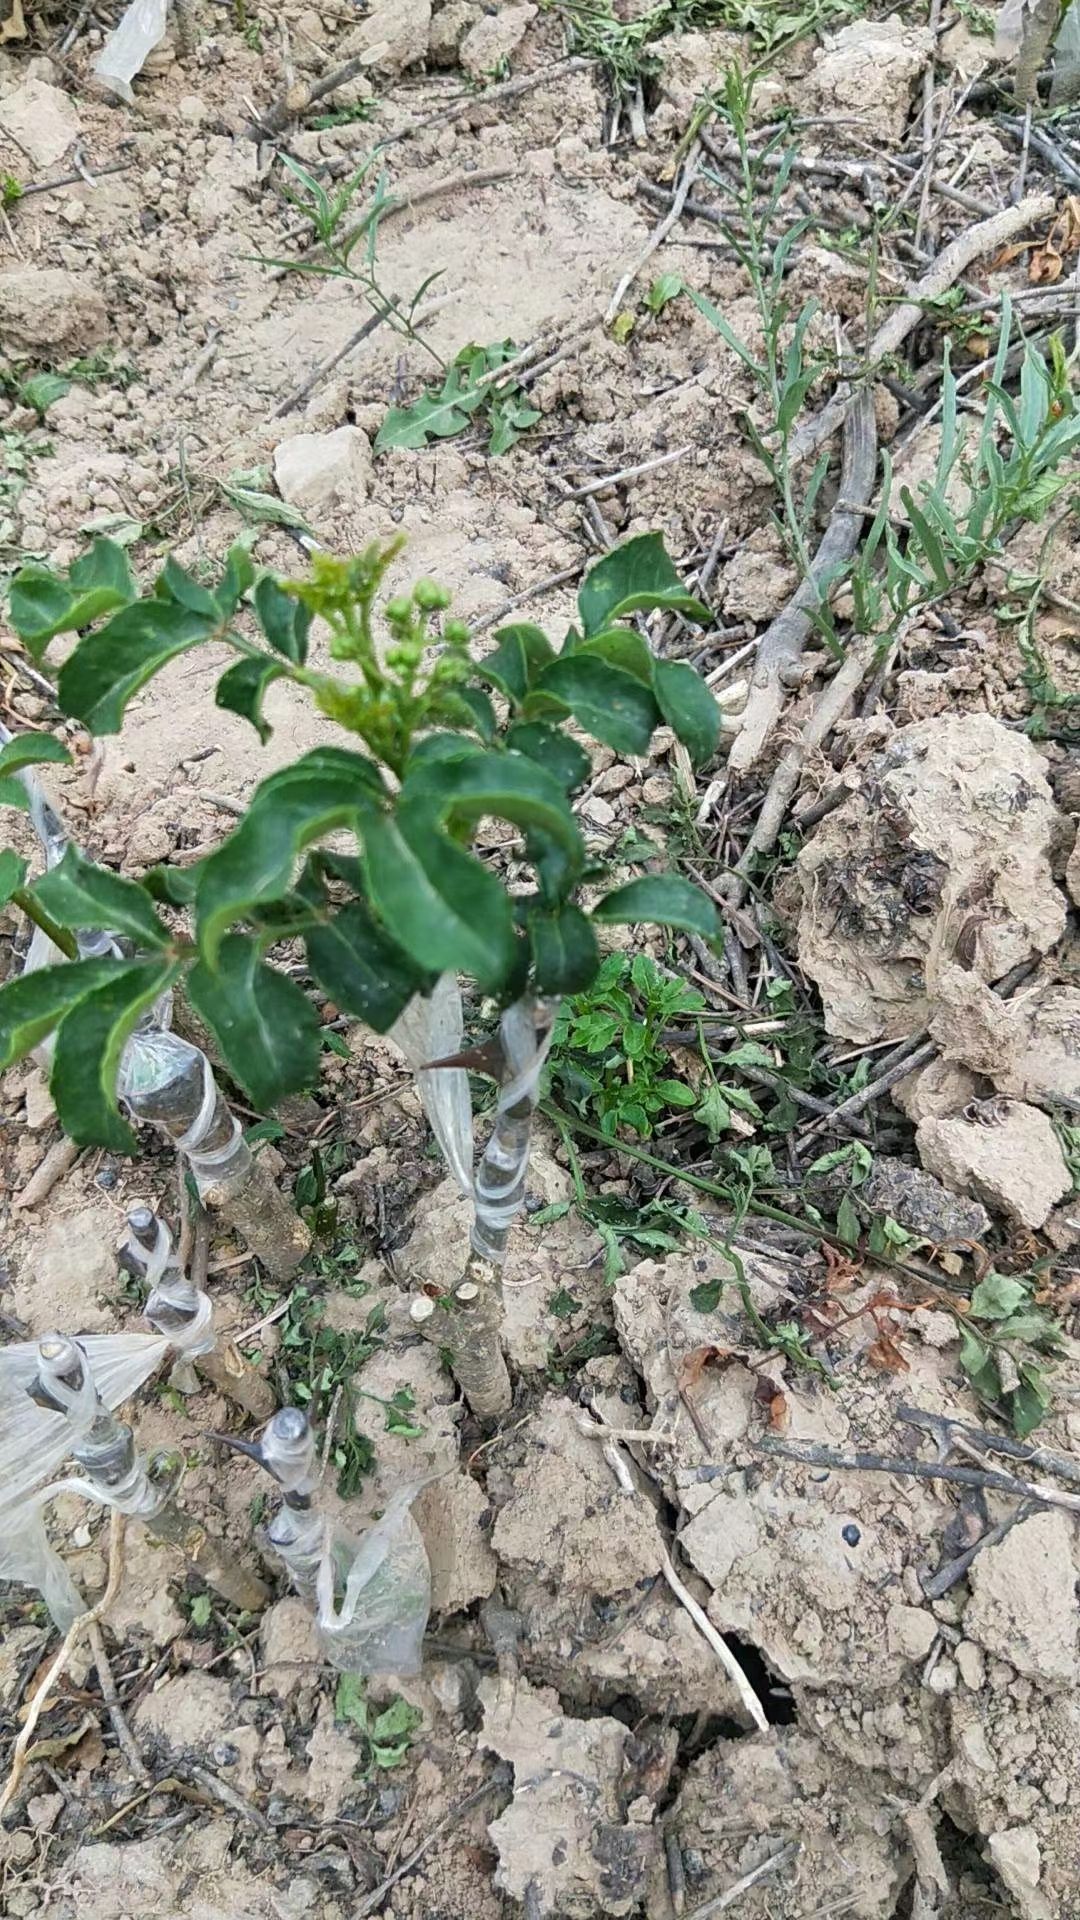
x=851, y=1534
x=944, y=1677
x=39, y=1102
x=911, y=1632
x=1014, y=1855
x=972, y=1665
x=43, y=308
x=318, y=469
x=44, y=1810
x=487, y=46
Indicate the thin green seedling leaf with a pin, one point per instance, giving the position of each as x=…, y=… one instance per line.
x=727, y=334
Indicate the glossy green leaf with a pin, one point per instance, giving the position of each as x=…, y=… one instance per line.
x=79, y=894
x=504, y=786
x=32, y=1003
x=285, y=621
x=611, y=705
x=565, y=955
x=620, y=647
x=265, y=1025
x=13, y=793
x=688, y=707
x=108, y=668
x=662, y=900
x=516, y=662
x=242, y=690
x=175, y=583
x=478, y=707
x=43, y=603
x=89, y=1043
x=12, y=874
x=633, y=578
x=447, y=911
x=556, y=752
x=327, y=788
x=365, y=973
x=31, y=750
x=238, y=576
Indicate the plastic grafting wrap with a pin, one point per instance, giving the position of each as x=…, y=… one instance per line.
x=376, y=1622
x=181, y=1313
x=430, y=1030
x=300, y=1537
x=116, y=1473
x=525, y=1032
x=287, y=1450
x=167, y=1081
x=35, y=1440
x=127, y=50
x=27, y=1558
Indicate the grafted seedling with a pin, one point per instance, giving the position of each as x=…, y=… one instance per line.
x=390, y=918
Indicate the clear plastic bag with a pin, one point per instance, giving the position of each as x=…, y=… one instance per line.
x=27, y=1559
x=127, y=50
x=35, y=1440
x=432, y=1029
x=372, y=1616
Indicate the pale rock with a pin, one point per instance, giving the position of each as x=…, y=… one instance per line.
x=942, y=1087
x=920, y=1204
x=317, y=469
x=41, y=119
x=45, y=308
x=333, y=1758
x=972, y=1664
x=448, y=28
x=911, y=1632
x=944, y=1677
x=870, y=68
x=289, y=1646
x=1010, y=1156
x=1014, y=1854
x=493, y=39
x=934, y=1329
x=393, y=36
x=39, y=1102
x=187, y=1713
x=463, y=1567
x=1023, y=1601
x=44, y=1810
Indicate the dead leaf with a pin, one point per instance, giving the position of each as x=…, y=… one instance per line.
x=885, y=1356
x=768, y=1395
x=695, y=1363
x=1048, y=260
x=55, y=1744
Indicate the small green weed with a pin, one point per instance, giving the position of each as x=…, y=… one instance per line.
x=607, y=1057
x=1004, y=1340
x=11, y=190
x=625, y=47
x=665, y=288
x=317, y=1365
x=349, y=244
x=352, y=116
x=385, y=1736
x=480, y=385
x=200, y=1609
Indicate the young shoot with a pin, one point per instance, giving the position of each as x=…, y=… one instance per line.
x=443, y=739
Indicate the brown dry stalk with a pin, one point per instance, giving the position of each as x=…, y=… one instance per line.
x=987, y=236
x=782, y=643
x=70, y=1641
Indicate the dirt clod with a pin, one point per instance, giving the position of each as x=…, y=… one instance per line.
x=1006, y=1150
x=1023, y=1600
